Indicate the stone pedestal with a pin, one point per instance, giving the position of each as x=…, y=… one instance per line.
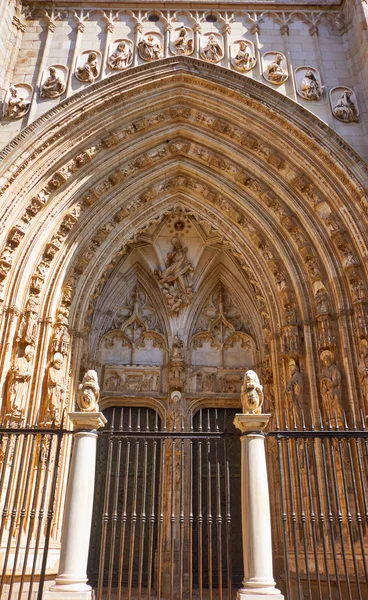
x=71, y=581
x=258, y=582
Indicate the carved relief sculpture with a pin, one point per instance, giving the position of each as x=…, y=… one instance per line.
x=19, y=377
x=243, y=58
x=330, y=386
x=363, y=370
x=176, y=279
x=274, y=70
x=308, y=83
x=89, y=393
x=294, y=388
x=55, y=388
x=183, y=44
x=251, y=394
x=17, y=101
x=150, y=47
x=88, y=70
x=122, y=56
x=344, y=105
x=211, y=48
x=54, y=84
x=29, y=322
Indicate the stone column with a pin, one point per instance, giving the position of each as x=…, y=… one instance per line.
x=71, y=581
x=258, y=582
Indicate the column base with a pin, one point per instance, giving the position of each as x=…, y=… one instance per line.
x=265, y=594
x=61, y=594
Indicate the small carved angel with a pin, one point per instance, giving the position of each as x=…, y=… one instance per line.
x=89, y=392
x=251, y=394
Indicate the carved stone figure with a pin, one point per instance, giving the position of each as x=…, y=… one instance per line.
x=55, y=387
x=183, y=44
x=177, y=348
x=345, y=110
x=358, y=290
x=149, y=48
x=29, y=322
x=310, y=88
x=251, y=394
x=321, y=298
x=54, y=85
x=294, y=387
x=121, y=57
x=275, y=73
x=363, y=369
x=176, y=278
x=89, y=70
x=330, y=386
x=243, y=60
x=89, y=392
x=212, y=50
x=19, y=377
x=17, y=105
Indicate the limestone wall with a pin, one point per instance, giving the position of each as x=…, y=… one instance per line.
x=331, y=41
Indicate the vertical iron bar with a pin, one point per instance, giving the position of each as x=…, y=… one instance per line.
x=284, y=514
x=123, y=518
x=190, y=533
x=229, y=574
x=172, y=518
x=152, y=515
x=143, y=512
x=9, y=487
x=200, y=514
x=302, y=516
x=209, y=510
x=181, y=529
x=293, y=514
x=219, y=521
x=133, y=515
x=358, y=515
x=114, y=515
x=161, y=516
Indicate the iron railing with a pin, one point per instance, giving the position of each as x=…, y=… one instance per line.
x=319, y=502
x=29, y=468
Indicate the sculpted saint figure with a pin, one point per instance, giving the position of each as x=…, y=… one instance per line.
x=177, y=347
x=275, y=72
x=89, y=392
x=310, y=87
x=363, y=369
x=243, y=59
x=176, y=278
x=149, y=48
x=17, y=105
x=54, y=85
x=89, y=71
x=20, y=375
x=183, y=44
x=294, y=388
x=212, y=50
x=345, y=109
x=251, y=394
x=330, y=386
x=55, y=387
x=122, y=57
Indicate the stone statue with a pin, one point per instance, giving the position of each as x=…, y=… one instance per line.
x=310, y=88
x=149, y=48
x=54, y=85
x=363, y=369
x=345, y=110
x=55, y=387
x=176, y=278
x=89, y=392
x=251, y=394
x=177, y=348
x=243, y=59
x=89, y=71
x=275, y=72
x=17, y=106
x=29, y=323
x=330, y=386
x=321, y=297
x=294, y=387
x=183, y=44
x=19, y=377
x=212, y=50
x=121, y=57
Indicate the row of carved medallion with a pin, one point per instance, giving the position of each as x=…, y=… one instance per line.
x=243, y=58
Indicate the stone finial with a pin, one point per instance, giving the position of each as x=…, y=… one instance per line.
x=89, y=393
x=251, y=394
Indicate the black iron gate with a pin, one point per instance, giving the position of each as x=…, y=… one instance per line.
x=167, y=507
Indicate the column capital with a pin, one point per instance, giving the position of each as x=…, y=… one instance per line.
x=251, y=423
x=89, y=421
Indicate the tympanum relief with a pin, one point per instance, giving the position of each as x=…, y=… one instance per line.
x=53, y=81
x=129, y=379
x=183, y=42
x=121, y=55
x=308, y=83
x=88, y=66
x=274, y=67
x=243, y=55
x=212, y=47
x=17, y=100
x=344, y=104
x=150, y=47
x=176, y=279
